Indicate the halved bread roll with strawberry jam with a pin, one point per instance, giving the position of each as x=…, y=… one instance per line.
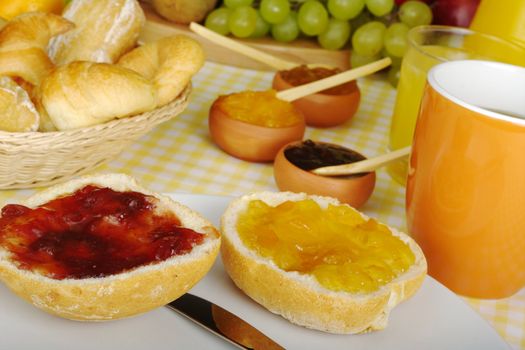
x=102, y=248
x=318, y=263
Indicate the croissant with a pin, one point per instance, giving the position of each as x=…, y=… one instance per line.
x=169, y=63
x=17, y=112
x=84, y=93
x=105, y=29
x=23, y=43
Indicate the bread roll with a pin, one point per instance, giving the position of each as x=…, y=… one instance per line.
x=81, y=94
x=17, y=112
x=105, y=29
x=169, y=63
x=126, y=293
x=300, y=298
x=23, y=43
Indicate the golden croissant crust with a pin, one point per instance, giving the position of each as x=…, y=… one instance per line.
x=82, y=93
x=23, y=43
x=169, y=63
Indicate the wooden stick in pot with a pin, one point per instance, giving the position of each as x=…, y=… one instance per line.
x=243, y=49
x=363, y=166
x=334, y=80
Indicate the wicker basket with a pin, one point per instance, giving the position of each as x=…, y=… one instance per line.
x=32, y=159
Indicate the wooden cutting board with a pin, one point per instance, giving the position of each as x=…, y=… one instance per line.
x=302, y=51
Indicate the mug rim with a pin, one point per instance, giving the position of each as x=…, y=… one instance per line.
x=433, y=82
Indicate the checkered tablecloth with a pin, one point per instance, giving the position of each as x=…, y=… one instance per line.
x=178, y=156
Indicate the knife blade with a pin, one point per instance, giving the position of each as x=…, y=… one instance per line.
x=202, y=311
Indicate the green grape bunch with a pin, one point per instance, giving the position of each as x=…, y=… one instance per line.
x=372, y=29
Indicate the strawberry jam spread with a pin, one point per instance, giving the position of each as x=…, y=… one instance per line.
x=94, y=232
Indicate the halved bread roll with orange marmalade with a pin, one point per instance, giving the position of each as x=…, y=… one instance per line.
x=318, y=263
x=102, y=247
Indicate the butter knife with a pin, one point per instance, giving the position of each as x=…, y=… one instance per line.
x=202, y=312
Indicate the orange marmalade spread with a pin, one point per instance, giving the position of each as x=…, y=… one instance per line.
x=94, y=232
x=343, y=251
x=259, y=108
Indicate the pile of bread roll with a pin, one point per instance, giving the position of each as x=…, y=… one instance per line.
x=85, y=67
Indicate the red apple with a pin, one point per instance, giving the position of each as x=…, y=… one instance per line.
x=457, y=13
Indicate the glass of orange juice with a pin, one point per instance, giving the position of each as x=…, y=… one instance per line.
x=428, y=46
x=506, y=20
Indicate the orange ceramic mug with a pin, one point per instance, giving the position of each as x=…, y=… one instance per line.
x=466, y=184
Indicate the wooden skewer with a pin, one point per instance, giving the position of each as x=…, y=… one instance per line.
x=363, y=166
x=334, y=80
x=269, y=60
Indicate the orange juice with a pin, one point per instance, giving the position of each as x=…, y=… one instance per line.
x=416, y=64
x=428, y=46
x=504, y=19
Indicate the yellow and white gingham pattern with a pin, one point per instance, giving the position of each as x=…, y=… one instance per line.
x=178, y=156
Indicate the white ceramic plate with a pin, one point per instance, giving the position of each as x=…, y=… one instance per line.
x=434, y=318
